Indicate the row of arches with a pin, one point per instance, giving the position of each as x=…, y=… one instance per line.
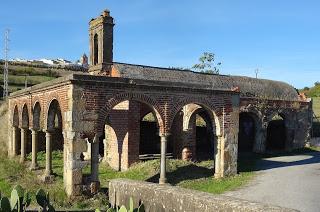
x=133, y=129
x=250, y=126
x=31, y=138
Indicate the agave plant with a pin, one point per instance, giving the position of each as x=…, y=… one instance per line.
x=124, y=209
x=43, y=200
x=19, y=200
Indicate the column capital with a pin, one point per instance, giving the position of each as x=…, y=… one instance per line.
x=164, y=134
x=49, y=131
x=34, y=130
x=96, y=138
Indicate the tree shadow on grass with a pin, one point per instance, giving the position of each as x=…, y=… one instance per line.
x=189, y=172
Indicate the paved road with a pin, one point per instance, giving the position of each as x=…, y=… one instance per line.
x=288, y=181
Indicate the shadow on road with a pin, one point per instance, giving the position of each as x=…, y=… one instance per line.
x=258, y=162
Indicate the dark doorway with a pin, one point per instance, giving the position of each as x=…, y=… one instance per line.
x=149, y=135
x=276, y=135
x=204, y=137
x=247, y=132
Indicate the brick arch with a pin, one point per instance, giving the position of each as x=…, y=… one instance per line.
x=15, y=116
x=210, y=108
x=286, y=115
x=253, y=110
x=47, y=115
x=37, y=110
x=25, y=116
x=112, y=102
x=52, y=96
x=280, y=112
x=21, y=105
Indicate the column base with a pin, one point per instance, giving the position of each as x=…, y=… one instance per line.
x=47, y=178
x=162, y=181
x=217, y=175
x=94, y=187
x=34, y=167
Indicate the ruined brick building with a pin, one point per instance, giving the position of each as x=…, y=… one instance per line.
x=102, y=114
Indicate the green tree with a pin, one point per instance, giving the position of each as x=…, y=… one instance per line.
x=207, y=64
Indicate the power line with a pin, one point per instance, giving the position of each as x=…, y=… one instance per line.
x=6, y=64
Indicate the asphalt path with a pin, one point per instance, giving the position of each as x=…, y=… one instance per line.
x=288, y=181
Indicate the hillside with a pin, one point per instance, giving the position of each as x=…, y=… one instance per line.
x=312, y=91
x=19, y=72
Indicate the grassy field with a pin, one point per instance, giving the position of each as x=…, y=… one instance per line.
x=17, y=76
x=316, y=106
x=17, y=82
x=197, y=176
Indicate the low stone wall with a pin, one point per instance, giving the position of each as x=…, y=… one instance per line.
x=158, y=198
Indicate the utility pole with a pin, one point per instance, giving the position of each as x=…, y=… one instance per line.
x=257, y=72
x=6, y=64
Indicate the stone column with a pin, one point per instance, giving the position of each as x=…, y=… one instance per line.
x=14, y=141
x=289, y=145
x=95, y=183
x=163, y=179
x=260, y=140
x=34, y=163
x=23, y=144
x=48, y=174
x=217, y=159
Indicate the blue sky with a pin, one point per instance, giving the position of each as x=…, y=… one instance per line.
x=281, y=38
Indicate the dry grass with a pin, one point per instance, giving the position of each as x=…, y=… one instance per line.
x=3, y=126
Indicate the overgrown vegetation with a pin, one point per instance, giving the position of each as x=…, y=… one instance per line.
x=312, y=91
x=191, y=175
x=207, y=64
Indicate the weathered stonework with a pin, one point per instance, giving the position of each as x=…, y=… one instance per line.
x=171, y=198
x=113, y=98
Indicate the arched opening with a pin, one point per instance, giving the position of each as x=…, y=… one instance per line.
x=149, y=135
x=38, y=126
x=25, y=126
x=16, y=132
x=130, y=131
x=276, y=134
x=95, y=49
x=196, y=128
x=54, y=125
x=54, y=141
x=204, y=136
x=247, y=132
x=150, y=147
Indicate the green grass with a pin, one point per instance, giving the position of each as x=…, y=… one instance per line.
x=191, y=175
x=316, y=106
x=19, y=80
